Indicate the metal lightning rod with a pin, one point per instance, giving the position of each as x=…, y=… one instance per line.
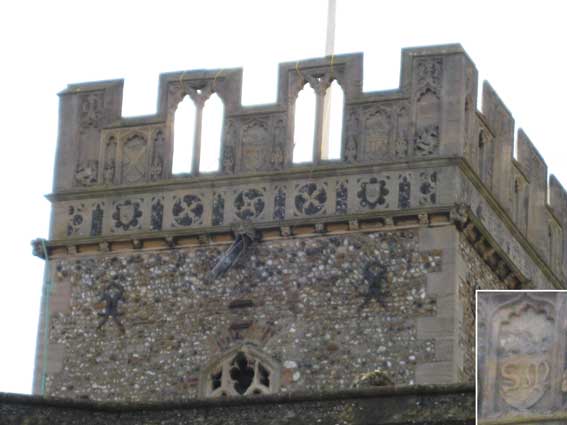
x=329, y=51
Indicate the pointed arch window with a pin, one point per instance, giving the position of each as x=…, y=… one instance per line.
x=197, y=132
x=333, y=122
x=304, y=127
x=183, y=136
x=318, y=120
x=242, y=371
x=211, y=134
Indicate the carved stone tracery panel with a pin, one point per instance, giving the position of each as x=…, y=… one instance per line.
x=242, y=371
x=427, y=99
x=377, y=132
x=132, y=156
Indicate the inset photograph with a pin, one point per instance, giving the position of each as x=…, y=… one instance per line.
x=521, y=356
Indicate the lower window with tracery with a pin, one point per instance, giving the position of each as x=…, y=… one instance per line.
x=242, y=371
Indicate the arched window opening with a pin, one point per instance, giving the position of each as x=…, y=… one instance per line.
x=304, y=127
x=211, y=133
x=243, y=371
x=333, y=127
x=183, y=136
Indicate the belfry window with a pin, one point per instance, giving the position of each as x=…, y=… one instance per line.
x=240, y=372
x=197, y=129
x=304, y=126
x=183, y=136
x=318, y=119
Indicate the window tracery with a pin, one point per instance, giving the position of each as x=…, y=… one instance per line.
x=243, y=371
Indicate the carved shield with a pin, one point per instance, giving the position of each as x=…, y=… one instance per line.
x=134, y=165
x=126, y=213
x=525, y=379
x=372, y=191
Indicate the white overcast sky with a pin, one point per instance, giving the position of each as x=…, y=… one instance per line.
x=519, y=46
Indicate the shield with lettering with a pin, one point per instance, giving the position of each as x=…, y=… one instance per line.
x=525, y=379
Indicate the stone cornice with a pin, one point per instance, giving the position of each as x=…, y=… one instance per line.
x=376, y=220
x=467, y=170
x=301, y=227
x=308, y=171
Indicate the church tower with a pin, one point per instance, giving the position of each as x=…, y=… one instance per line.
x=270, y=276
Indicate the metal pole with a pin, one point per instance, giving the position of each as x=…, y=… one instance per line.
x=329, y=51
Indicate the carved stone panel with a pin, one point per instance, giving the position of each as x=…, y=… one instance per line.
x=377, y=192
x=280, y=202
x=342, y=196
x=91, y=120
x=134, y=152
x=218, y=208
x=256, y=145
x=132, y=156
x=158, y=155
x=97, y=218
x=427, y=186
x=109, y=165
x=91, y=110
x=157, y=207
x=279, y=146
x=404, y=190
x=310, y=199
x=522, y=352
x=127, y=215
x=77, y=220
x=188, y=210
x=377, y=131
x=250, y=204
x=427, y=100
x=231, y=140
x=353, y=135
x=86, y=173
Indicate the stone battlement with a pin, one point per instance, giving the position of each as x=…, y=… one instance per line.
x=408, y=149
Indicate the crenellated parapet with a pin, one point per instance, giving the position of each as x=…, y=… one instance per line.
x=402, y=154
x=98, y=148
x=519, y=185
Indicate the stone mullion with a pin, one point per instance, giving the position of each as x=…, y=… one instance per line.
x=101, y=159
x=319, y=116
x=119, y=158
x=197, y=138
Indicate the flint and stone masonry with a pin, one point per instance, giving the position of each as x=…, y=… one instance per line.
x=272, y=277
